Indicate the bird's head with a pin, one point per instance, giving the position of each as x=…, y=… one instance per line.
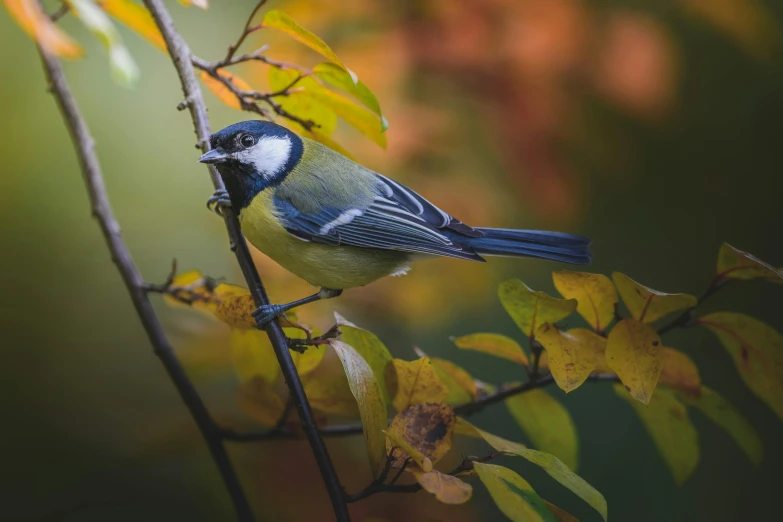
x=252, y=155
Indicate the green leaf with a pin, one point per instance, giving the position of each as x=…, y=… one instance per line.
x=549, y=463
x=338, y=77
x=547, y=423
x=667, y=422
x=531, y=309
x=757, y=351
x=493, y=344
x=635, y=353
x=513, y=495
x=369, y=396
x=724, y=414
x=594, y=293
x=646, y=304
x=280, y=21
x=736, y=264
x=358, y=117
x=300, y=104
x=571, y=355
x=369, y=347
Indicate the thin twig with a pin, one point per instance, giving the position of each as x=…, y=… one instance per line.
x=101, y=210
x=182, y=59
x=232, y=49
x=60, y=12
x=685, y=318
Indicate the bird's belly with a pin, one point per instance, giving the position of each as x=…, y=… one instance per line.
x=335, y=267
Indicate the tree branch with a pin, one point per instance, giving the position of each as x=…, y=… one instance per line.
x=182, y=59
x=101, y=210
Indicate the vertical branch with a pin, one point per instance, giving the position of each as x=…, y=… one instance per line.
x=101, y=210
x=182, y=58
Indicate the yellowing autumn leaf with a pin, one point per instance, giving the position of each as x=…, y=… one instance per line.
x=403, y=450
x=646, y=304
x=29, y=16
x=757, y=352
x=259, y=400
x=300, y=103
x=680, y=372
x=736, y=264
x=635, y=353
x=446, y=488
x=338, y=77
x=414, y=382
x=462, y=387
x=358, y=117
x=427, y=428
x=137, y=18
x=253, y=356
x=369, y=347
x=222, y=92
x=571, y=354
x=513, y=495
x=493, y=344
x=594, y=293
x=327, y=387
x=531, y=309
x=667, y=422
x=561, y=514
x=547, y=423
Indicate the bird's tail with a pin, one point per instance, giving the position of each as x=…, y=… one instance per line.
x=557, y=246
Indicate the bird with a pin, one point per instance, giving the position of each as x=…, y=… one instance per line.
x=339, y=225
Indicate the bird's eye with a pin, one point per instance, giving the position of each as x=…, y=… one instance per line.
x=247, y=140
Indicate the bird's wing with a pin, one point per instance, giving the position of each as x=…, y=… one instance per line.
x=396, y=219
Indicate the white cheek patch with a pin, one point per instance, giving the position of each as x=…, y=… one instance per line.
x=268, y=156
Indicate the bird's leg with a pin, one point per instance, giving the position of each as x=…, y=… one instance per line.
x=219, y=201
x=266, y=313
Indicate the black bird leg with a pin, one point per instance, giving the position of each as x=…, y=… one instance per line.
x=266, y=313
x=218, y=202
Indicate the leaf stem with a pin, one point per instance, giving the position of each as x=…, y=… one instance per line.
x=682, y=320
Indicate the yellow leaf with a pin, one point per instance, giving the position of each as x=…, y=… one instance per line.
x=235, y=310
x=736, y=264
x=222, y=92
x=338, y=77
x=446, y=488
x=571, y=354
x=361, y=119
x=258, y=399
x=493, y=344
x=635, y=353
x=427, y=428
x=679, y=372
x=253, y=356
x=549, y=463
x=135, y=17
x=395, y=441
x=280, y=21
x=329, y=391
x=646, y=304
x=531, y=309
x=561, y=514
x=594, y=293
x=369, y=347
x=513, y=495
x=757, y=351
x=313, y=134
x=369, y=396
x=29, y=16
x=300, y=102
x=462, y=387
x=667, y=422
x=547, y=423
x=722, y=413
x=309, y=360
x=413, y=382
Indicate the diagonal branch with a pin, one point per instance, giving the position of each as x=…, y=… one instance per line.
x=182, y=59
x=101, y=210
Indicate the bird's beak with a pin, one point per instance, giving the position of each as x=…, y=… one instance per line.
x=217, y=155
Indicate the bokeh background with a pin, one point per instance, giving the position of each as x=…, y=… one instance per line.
x=652, y=127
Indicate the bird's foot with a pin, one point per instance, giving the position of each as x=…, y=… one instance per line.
x=219, y=202
x=265, y=314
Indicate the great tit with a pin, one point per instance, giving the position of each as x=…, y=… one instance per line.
x=337, y=224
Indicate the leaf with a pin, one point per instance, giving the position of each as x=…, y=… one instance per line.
x=561, y=514
x=31, y=18
x=135, y=17
x=462, y=387
x=338, y=77
x=360, y=118
x=513, y=495
x=493, y=344
x=736, y=264
x=413, y=382
x=530, y=309
x=547, y=423
x=722, y=413
x=369, y=347
x=313, y=134
x=395, y=440
x=757, y=351
x=680, y=372
x=549, y=463
x=329, y=391
x=571, y=354
x=446, y=488
x=280, y=21
x=124, y=69
x=428, y=428
x=222, y=92
x=646, y=304
x=300, y=103
x=635, y=353
x=258, y=399
x=667, y=422
x=594, y=293
x=253, y=356
x=369, y=396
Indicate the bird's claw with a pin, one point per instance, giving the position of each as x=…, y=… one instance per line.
x=265, y=314
x=219, y=201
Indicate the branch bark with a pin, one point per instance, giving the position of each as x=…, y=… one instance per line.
x=182, y=58
x=101, y=210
